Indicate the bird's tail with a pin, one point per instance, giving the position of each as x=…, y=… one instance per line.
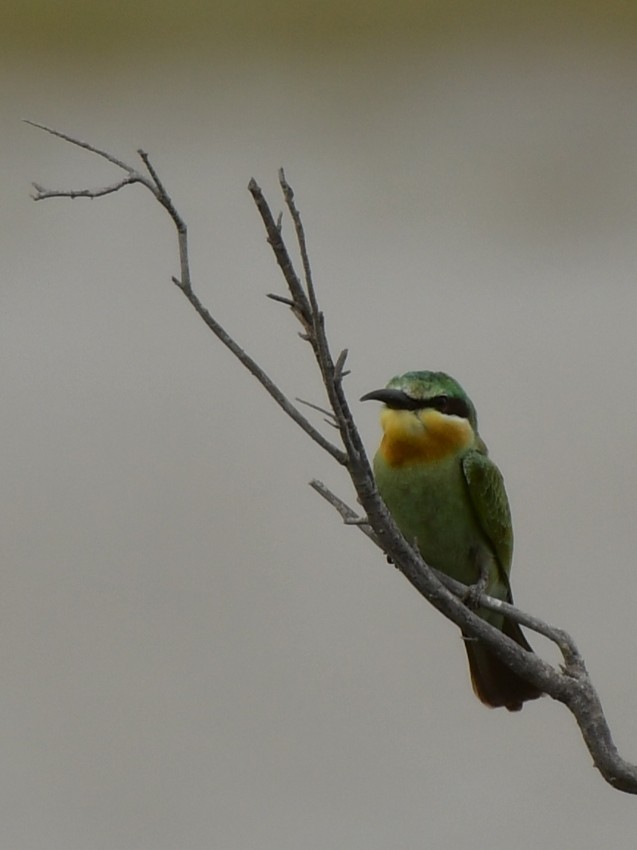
x=493, y=682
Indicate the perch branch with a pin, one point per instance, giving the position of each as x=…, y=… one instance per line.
x=571, y=685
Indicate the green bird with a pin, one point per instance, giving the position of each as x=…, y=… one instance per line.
x=434, y=474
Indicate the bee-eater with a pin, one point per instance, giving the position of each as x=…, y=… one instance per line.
x=447, y=496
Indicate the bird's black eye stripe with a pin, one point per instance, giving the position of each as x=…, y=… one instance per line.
x=439, y=402
x=452, y=406
x=410, y=403
x=398, y=400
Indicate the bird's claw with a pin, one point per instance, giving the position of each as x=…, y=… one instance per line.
x=473, y=593
x=472, y=596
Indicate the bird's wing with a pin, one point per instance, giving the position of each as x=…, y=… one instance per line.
x=489, y=500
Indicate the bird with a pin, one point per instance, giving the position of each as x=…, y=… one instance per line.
x=447, y=497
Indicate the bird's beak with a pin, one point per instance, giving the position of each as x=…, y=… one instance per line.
x=396, y=399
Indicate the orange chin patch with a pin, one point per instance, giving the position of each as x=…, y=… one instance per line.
x=422, y=437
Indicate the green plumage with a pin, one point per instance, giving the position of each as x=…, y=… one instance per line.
x=453, y=503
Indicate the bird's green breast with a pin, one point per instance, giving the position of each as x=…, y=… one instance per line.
x=431, y=505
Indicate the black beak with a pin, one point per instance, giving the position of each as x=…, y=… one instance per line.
x=396, y=399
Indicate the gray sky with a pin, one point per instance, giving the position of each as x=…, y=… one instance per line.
x=196, y=653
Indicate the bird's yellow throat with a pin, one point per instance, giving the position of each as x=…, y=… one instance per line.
x=422, y=436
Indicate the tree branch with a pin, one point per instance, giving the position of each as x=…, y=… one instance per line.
x=569, y=685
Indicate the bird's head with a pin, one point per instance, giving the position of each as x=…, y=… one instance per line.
x=426, y=415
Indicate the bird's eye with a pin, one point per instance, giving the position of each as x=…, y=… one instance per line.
x=450, y=406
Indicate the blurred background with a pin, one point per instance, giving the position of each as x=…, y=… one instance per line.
x=195, y=652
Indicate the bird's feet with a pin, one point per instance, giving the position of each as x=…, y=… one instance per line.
x=473, y=593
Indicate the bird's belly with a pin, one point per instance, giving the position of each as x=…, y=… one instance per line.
x=432, y=509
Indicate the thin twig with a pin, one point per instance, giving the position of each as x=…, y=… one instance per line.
x=288, y=194
x=156, y=187
x=264, y=379
x=159, y=191
x=358, y=464
x=273, y=231
x=317, y=407
x=339, y=372
x=42, y=194
x=90, y=148
x=281, y=300
x=348, y=515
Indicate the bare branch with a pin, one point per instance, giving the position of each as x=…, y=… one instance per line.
x=273, y=231
x=348, y=515
x=263, y=378
x=42, y=194
x=159, y=191
x=80, y=144
x=288, y=194
x=571, y=684
x=156, y=187
x=339, y=371
x=358, y=465
x=329, y=416
x=280, y=299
